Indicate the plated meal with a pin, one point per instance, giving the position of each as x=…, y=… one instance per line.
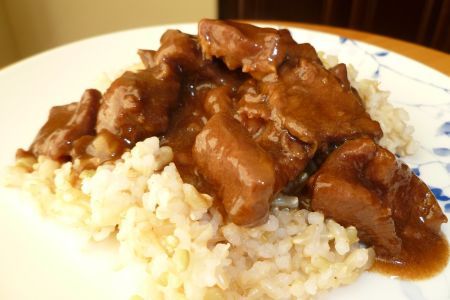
x=239, y=164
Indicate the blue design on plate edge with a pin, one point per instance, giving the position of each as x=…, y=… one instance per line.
x=379, y=54
x=439, y=194
x=342, y=39
x=438, y=191
x=444, y=129
x=441, y=151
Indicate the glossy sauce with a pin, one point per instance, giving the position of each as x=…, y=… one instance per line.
x=185, y=123
x=418, y=260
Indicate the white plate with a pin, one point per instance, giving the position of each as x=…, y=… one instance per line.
x=40, y=260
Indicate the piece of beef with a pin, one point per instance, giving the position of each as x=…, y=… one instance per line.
x=305, y=50
x=179, y=50
x=147, y=57
x=413, y=205
x=137, y=105
x=255, y=50
x=288, y=153
x=202, y=94
x=362, y=184
x=316, y=108
x=218, y=100
x=66, y=124
x=242, y=172
x=258, y=51
x=340, y=71
x=251, y=108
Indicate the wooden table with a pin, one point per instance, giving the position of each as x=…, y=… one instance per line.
x=433, y=58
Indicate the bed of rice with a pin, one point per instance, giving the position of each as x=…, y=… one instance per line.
x=187, y=249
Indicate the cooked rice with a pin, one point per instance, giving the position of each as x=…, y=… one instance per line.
x=188, y=250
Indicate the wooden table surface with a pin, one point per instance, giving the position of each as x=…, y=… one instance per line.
x=433, y=58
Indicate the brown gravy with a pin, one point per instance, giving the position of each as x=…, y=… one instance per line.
x=417, y=260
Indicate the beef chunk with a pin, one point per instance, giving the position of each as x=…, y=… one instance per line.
x=258, y=51
x=340, y=71
x=306, y=51
x=218, y=100
x=66, y=124
x=147, y=57
x=242, y=171
x=288, y=153
x=179, y=50
x=290, y=156
x=181, y=53
x=316, y=108
x=362, y=184
x=137, y=105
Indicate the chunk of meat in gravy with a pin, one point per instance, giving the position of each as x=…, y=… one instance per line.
x=179, y=50
x=411, y=201
x=313, y=105
x=362, y=184
x=242, y=171
x=258, y=51
x=218, y=100
x=288, y=153
x=340, y=71
x=182, y=53
x=338, y=191
x=201, y=96
x=137, y=105
x=66, y=124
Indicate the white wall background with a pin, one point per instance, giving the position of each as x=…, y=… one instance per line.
x=31, y=26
